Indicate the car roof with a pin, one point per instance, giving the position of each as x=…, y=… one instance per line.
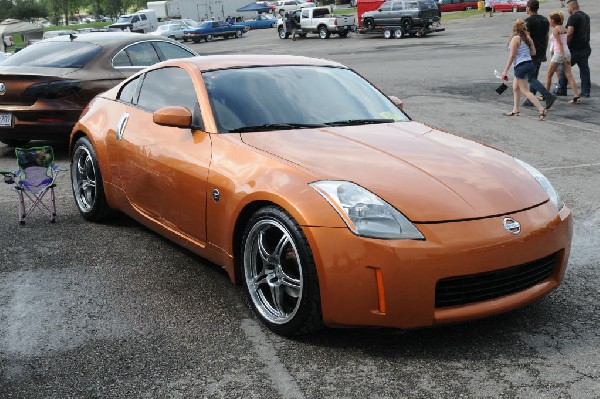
x=212, y=62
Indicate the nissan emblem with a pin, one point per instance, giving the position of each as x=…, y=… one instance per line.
x=512, y=226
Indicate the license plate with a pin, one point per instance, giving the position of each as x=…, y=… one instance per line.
x=5, y=119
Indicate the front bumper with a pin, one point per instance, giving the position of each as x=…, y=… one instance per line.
x=392, y=283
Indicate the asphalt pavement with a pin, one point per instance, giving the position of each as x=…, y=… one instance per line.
x=114, y=310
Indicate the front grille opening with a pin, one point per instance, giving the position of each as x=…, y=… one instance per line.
x=453, y=291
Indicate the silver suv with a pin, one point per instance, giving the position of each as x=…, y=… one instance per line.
x=408, y=14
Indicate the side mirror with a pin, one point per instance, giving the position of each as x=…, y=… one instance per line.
x=397, y=102
x=173, y=116
x=379, y=9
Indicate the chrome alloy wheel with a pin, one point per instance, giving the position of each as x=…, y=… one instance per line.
x=83, y=177
x=273, y=271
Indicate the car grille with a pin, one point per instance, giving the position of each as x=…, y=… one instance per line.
x=453, y=291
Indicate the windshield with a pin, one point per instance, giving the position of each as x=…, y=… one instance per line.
x=63, y=54
x=279, y=97
x=125, y=18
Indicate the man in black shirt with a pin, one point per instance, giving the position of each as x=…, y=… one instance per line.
x=538, y=27
x=578, y=39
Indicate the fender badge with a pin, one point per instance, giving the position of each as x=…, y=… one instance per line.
x=512, y=226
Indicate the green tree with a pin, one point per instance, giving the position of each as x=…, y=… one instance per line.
x=27, y=10
x=5, y=7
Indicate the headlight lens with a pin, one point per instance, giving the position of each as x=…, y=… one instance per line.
x=544, y=182
x=366, y=214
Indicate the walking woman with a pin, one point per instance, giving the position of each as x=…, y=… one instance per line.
x=520, y=49
x=560, y=54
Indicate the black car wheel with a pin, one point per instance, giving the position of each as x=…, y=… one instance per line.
x=279, y=274
x=238, y=33
x=369, y=23
x=343, y=33
x=406, y=24
x=324, y=32
x=209, y=38
x=283, y=34
x=86, y=180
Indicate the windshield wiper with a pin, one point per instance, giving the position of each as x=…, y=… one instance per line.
x=275, y=126
x=352, y=122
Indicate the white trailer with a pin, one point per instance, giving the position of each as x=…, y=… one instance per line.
x=208, y=9
x=166, y=9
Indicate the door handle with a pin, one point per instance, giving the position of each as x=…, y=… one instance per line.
x=121, y=125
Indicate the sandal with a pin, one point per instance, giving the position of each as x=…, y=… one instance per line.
x=543, y=114
x=575, y=100
x=512, y=113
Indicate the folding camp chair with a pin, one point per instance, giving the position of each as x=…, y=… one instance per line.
x=35, y=178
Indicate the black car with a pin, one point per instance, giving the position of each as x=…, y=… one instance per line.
x=44, y=87
x=405, y=13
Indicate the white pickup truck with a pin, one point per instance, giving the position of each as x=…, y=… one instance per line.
x=317, y=20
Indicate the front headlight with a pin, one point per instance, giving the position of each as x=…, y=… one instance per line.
x=544, y=182
x=366, y=214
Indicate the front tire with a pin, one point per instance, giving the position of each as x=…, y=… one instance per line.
x=515, y=9
x=238, y=33
x=324, y=32
x=209, y=38
x=387, y=33
x=369, y=24
x=283, y=34
x=87, y=184
x=279, y=274
x=398, y=33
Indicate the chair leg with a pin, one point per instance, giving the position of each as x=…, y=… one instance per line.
x=53, y=199
x=22, y=213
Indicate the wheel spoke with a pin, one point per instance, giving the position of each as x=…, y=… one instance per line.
x=277, y=296
x=278, y=251
x=262, y=251
x=292, y=286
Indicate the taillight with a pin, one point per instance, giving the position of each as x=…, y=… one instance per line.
x=53, y=90
x=335, y=21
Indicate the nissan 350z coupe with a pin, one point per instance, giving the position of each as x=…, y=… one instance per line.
x=349, y=213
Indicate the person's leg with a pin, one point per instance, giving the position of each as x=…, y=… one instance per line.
x=561, y=87
x=551, y=70
x=516, y=98
x=584, y=72
x=522, y=86
x=571, y=79
x=533, y=87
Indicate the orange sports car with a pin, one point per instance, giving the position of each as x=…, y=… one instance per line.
x=319, y=194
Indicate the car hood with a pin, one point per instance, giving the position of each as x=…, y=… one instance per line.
x=427, y=174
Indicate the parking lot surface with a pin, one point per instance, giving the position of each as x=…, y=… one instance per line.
x=114, y=310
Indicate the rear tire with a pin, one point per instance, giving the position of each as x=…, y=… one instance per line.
x=406, y=24
x=87, y=183
x=387, y=33
x=209, y=38
x=343, y=33
x=398, y=33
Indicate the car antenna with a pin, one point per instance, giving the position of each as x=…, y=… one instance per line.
x=72, y=36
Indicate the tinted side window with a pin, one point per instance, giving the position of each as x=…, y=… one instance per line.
x=128, y=91
x=143, y=16
x=170, y=50
x=398, y=6
x=412, y=5
x=142, y=54
x=387, y=6
x=155, y=94
x=55, y=54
